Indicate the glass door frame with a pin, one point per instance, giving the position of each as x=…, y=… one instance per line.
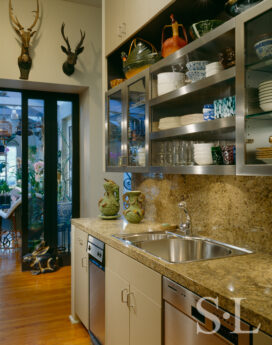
x=124, y=87
x=50, y=159
x=241, y=108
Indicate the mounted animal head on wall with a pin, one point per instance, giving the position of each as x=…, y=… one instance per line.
x=24, y=60
x=69, y=65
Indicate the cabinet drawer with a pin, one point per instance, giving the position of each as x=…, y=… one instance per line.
x=140, y=276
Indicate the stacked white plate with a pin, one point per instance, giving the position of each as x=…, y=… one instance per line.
x=169, y=81
x=191, y=119
x=203, y=154
x=265, y=95
x=169, y=122
x=213, y=68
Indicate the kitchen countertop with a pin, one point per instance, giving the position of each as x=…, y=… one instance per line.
x=247, y=276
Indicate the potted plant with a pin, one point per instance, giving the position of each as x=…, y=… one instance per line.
x=4, y=194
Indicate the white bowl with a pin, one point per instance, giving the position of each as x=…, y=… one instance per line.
x=266, y=106
x=269, y=89
x=168, y=87
x=170, y=76
x=209, y=74
x=201, y=145
x=203, y=162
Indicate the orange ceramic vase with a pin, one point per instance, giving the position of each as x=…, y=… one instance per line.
x=175, y=42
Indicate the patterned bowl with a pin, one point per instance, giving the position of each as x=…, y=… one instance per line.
x=264, y=48
x=196, y=75
x=197, y=65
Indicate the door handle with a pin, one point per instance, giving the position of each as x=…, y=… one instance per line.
x=131, y=300
x=124, y=296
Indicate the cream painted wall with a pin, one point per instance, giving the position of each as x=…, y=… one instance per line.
x=47, y=71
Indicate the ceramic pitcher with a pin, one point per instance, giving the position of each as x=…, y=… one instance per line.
x=134, y=206
x=109, y=205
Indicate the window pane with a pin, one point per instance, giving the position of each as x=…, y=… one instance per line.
x=64, y=174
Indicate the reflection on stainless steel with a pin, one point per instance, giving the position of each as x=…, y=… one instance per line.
x=183, y=249
x=175, y=248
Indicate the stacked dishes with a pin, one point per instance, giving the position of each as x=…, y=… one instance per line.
x=265, y=95
x=169, y=122
x=203, y=154
x=213, y=68
x=190, y=119
x=196, y=70
x=264, y=154
x=170, y=81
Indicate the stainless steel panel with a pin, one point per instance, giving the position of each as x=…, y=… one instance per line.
x=196, y=170
x=182, y=330
x=219, y=126
x=97, y=302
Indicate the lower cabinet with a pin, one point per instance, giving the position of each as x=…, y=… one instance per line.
x=80, y=276
x=133, y=302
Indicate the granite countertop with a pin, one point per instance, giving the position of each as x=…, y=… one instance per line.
x=247, y=276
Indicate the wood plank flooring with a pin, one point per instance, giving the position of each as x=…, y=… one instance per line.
x=34, y=310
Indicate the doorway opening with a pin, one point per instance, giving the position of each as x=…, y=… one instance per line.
x=39, y=170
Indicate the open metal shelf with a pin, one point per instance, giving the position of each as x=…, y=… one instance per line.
x=197, y=87
x=196, y=170
x=220, y=126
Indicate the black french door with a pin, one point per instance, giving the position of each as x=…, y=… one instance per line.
x=47, y=171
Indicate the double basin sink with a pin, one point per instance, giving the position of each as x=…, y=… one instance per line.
x=176, y=248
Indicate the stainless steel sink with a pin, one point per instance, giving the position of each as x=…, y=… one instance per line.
x=175, y=248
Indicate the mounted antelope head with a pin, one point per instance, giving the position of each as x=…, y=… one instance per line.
x=24, y=60
x=68, y=66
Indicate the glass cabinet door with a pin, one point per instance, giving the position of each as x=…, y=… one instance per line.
x=255, y=92
x=114, y=130
x=136, y=123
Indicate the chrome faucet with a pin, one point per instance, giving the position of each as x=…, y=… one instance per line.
x=186, y=227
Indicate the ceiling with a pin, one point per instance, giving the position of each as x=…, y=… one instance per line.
x=95, y=3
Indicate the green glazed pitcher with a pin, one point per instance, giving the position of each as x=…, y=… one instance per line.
x=109, y=205
x=134, y=206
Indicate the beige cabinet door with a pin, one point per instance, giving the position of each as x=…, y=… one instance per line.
x=156, y=6
x=136, y=15
x=145, y=319
x=81, y=277
x=117, y=311
x=114, y=24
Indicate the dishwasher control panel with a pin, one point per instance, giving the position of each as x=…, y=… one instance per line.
x=96, y=249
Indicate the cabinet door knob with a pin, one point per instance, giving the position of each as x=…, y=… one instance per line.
x=131, y=300
x=124, y=296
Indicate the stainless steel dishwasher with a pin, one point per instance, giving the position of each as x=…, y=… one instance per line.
x=96, y=250
x=181, y=317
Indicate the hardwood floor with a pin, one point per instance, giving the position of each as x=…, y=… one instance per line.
x=35, y=309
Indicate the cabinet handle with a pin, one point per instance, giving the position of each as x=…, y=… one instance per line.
x=124, y=296
x=119, y=31
x=123, y=28
x=84, y=259
x=131, y=300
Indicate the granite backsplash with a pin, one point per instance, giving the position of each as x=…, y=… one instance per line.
x=231, y=209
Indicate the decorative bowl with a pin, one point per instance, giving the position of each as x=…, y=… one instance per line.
x=197, y=65
x=201, y=28
x=264, y=48
x=266, y=106
x=235, y=7
x=196, y=75
x=116, y=82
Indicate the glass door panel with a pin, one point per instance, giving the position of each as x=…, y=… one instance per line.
x=10, y=168
x=35, y=172
x=115, y=129
x=136, y=123
x=258, y=84
x=64, y=174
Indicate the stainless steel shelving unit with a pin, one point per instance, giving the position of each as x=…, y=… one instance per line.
x=188, y=99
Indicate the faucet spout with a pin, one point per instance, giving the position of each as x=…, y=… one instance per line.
x=186, y=227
